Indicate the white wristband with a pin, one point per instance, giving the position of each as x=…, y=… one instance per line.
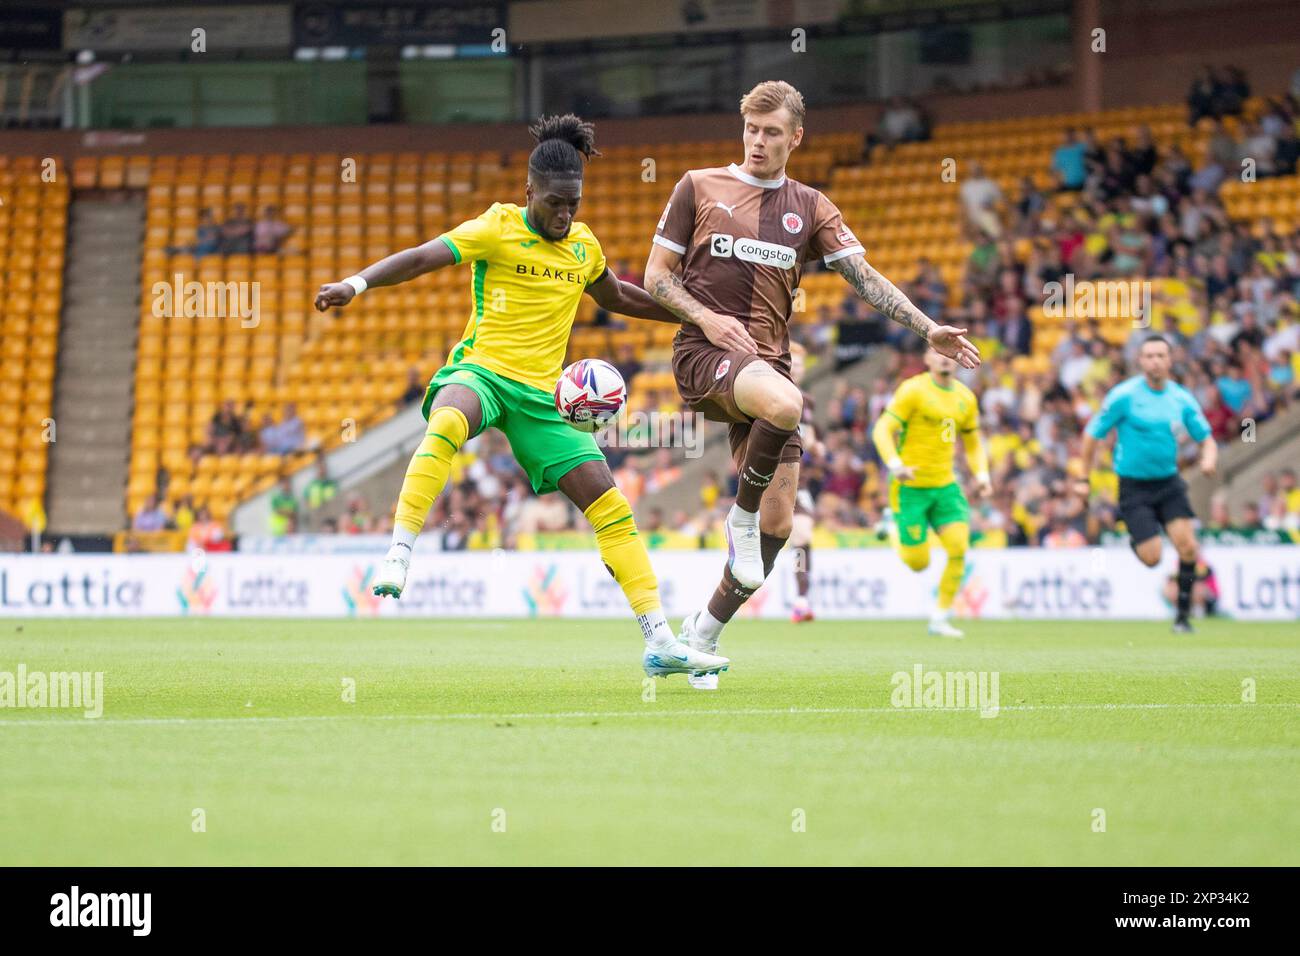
x=357, y=283
x=894, y=465
x=982, y=478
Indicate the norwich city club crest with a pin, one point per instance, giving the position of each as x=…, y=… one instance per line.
x=580, y=251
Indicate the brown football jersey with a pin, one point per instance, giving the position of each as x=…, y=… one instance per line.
x=744, y=242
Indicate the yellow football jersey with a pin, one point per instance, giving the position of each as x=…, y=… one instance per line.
x=934, y=420
x=525, y=291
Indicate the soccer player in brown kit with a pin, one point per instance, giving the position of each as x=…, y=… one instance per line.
x=727, y=256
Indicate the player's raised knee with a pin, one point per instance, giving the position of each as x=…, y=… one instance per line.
x=785, y=409
x=916, y=558
x=776, y=523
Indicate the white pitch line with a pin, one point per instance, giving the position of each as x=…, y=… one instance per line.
x=651, y=711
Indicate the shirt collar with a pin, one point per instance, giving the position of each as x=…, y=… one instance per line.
x=744, y=177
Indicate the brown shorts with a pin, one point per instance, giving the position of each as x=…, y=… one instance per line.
x=706, y=380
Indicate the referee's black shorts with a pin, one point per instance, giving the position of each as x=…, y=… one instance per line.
x=1147, y=506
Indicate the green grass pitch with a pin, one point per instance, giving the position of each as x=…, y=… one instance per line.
x=531, y=742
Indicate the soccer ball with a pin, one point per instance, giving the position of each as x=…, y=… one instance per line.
x=590, y=394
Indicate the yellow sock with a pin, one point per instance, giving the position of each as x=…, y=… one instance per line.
x=427, y=473
x=956, y=539
x=623, y=551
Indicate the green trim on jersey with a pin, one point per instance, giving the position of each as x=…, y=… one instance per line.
x=452, y=246
x=480, y=271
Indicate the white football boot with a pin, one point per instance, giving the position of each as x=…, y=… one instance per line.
x=699, y=642
x=392, y=573
x=744, y=553
x=940, y=626
x=680, y=658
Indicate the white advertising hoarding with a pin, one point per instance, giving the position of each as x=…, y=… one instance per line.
x=1255, y=583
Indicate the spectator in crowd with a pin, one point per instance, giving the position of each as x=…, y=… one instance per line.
x=628, y=365
x=1260, y=149
x=1215, y=94
x=207, y=533
x=358, y=518
x=270, y=231
x=1287, y=491
x=1201, y=98
x=1017, y=331
x=630, y=478
x=845, y=479
x=268, y=434
x=225, y=430
x=284, y=510
x=665, y=471
x=901, y=122
x=416, y=386
x=1233, y=387
x=237, y=232
x=1142, y=156
x=150, y=517
x=286, y=437
x=207, y=237
x=1068, y=162
x=1223, y=148
x=1251, y=522
x=980, y=197
x=184, y=517
x=322, y=487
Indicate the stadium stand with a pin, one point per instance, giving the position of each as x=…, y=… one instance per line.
x=33, y=213
x=906, y=202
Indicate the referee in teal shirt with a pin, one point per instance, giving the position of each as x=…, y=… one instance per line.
x=1150, y=413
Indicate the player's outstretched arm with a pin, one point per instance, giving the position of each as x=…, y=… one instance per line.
x=392, y=270
x=886, y=298
x=625, y=298
x=665, y=285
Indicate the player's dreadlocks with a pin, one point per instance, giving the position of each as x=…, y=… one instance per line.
x=562, y=142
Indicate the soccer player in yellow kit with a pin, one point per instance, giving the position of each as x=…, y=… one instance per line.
x=917, y=437
x=531, y=265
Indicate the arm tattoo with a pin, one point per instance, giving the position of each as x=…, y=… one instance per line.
x=669, y=290
x=883, y=294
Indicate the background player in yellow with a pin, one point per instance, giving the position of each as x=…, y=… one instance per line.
x=917, y=439
x=530, y=266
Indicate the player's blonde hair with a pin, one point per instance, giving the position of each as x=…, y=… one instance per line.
x=769, y=96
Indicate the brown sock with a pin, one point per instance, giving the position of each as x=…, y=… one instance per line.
x=770, y=545
x=762, y=453
x=730, y=594
x=728, y=597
